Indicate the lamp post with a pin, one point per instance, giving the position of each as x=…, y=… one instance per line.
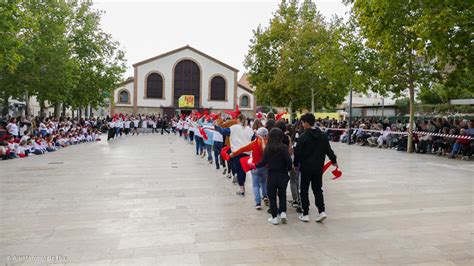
x=350, y=113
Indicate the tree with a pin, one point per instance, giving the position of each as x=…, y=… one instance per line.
x=99, y=59
x=264, y=55
x=63, y=56
x=388, y=27
x=446, y=28
x=299, y=55
x=13, y=21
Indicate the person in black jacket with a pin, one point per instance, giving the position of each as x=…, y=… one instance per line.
x=310, y=153
x=278, y=161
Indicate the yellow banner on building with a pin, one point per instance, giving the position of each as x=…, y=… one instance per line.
x=186, y=101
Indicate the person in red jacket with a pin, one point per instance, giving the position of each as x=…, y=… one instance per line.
x=259, y=175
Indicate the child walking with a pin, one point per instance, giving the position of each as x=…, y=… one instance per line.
x=278, y=161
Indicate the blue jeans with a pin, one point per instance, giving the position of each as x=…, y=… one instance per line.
x=199, y=144
x=209, y=152
x=217, y=151
x=117, y=132
x=259, y=177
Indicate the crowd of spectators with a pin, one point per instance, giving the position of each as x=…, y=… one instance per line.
x=393, y=135
x=21, y=137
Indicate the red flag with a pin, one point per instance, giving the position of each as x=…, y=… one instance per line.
x=336, y=172
x=245, y=162
x=280, y=115
x=224, y=153
x=203, y=133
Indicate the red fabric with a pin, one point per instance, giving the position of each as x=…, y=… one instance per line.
x=336, y=172
x=214, y=116
x=259, y=115
x=22, y=155
x=203, y=133
x=235, y=113
x=280, y=115
x=224, y=153
x=246, y=163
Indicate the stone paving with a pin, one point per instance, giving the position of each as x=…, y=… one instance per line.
x=148, y=200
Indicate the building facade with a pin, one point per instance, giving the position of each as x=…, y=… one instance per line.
x=160, y=81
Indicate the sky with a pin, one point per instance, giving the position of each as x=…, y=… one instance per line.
x=221, y=29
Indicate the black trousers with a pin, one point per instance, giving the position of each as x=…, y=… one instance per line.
x=276, y=185
x=315, y=179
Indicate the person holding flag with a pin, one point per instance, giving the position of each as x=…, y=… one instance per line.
x=310, y=153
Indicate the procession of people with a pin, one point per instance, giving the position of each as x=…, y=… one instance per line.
x=271, y=151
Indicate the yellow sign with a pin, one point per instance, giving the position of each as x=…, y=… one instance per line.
x=186, y=101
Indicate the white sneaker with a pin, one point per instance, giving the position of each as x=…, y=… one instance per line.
x=321, y=217
x=304, y=218
x=283, y=217
x=273, y=221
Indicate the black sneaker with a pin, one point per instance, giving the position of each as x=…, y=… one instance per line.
x=225, y=171
x=269, y=211
x=295, y=204
x=240, y=193
x=258, y=206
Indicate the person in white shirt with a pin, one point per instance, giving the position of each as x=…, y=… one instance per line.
x=111, y=129
x=144, y=125
x=127, y=126
x=240, y=135
x=12, y=127
x=136, y=122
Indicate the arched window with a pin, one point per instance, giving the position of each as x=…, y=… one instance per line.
x=244, y=102
x=154, y=86
x=187, y=81
x=123, y=97
x=218, y=89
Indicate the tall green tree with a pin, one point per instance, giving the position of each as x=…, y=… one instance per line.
x=264, y=56
x=297, y=57
x=389, y=28
x=101, y=63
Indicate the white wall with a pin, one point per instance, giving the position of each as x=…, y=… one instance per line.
x=241, y=92
x=129, y=87
x=165, y=66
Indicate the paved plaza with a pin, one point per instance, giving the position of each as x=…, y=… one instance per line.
x=148, y=200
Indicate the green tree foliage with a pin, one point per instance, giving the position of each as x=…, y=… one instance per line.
x=300, y=54
x=419, y=44
x=389, y=28
x=63, y=55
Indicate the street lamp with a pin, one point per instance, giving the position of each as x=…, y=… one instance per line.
x=350, y=113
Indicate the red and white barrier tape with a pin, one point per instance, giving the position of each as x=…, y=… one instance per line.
x=402, y=133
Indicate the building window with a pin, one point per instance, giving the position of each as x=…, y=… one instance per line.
x=123, y=97
x=154, y=86
x=218, y=89
x=187, y=81
x=244, y=102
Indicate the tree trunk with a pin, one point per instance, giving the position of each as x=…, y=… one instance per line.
x=42, y=113
x=91, y=111
x=412, y=116
x=290, y=110
x=79, y=113
x=27, y=105
x=5, y=105
x=64, y=110
x=56, y=110
x=86, y=111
